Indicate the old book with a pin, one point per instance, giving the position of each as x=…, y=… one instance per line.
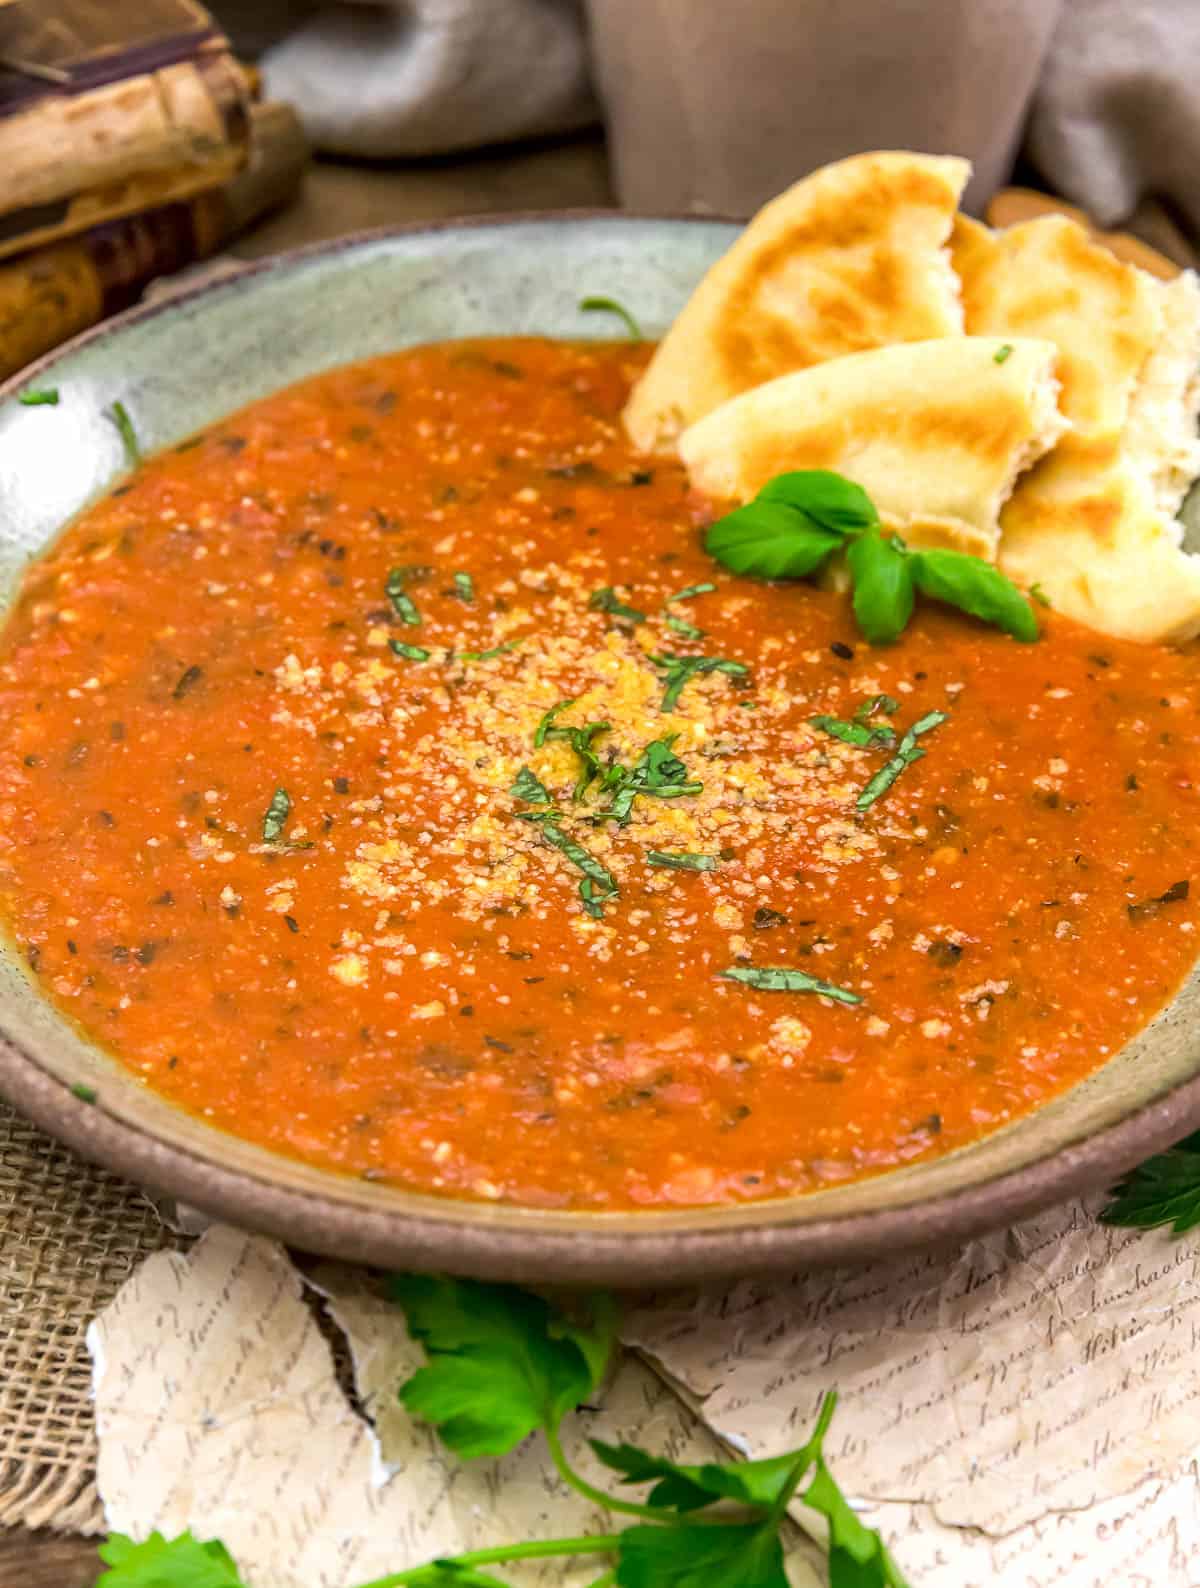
x=108, y=110
x=53, y=293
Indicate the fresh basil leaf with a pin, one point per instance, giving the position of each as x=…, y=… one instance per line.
x=883, y=586
x=546, y=721
x=45, y=397
x=410, y=653
x=682, y=627
x=691, y=590
x=770, y=540
x=1163, y=1190
x=856, y=733
x=886, y=705
x=487, y=656
x=679, y=669
x=611, y=306
x=781, y=978
x=598, y=883
x=975, y=586
x=502, y=1362
x=464, y=587
x=830, y=500
x=158, y=1562
x=733, y=1556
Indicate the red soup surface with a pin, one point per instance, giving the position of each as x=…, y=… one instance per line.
x=265, y=706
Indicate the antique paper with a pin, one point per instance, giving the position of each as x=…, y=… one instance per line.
x=218, y=1408
x=1022, y=1411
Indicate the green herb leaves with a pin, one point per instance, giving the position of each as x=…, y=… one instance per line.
x=780, y=978
x=529, y=788
x=595, y=305
x=607, y=600
x=276, y=817
x=410, y=653
x=701, y=1557
x=119, y=416
x=798, y=520
x=182, y=1562
x=976, y=587
x=680, y=860
x=43, y=397
x=907, y=751
x=501, y=1363
x=403, y=604
x=679, y=669
x=1163, y=1190
x=598, y=883
x=658, y=773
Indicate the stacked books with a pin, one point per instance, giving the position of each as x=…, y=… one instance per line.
x=132, y=142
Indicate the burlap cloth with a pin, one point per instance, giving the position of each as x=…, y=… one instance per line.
x=70, y=1235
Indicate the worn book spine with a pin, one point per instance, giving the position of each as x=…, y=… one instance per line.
x=57, y=291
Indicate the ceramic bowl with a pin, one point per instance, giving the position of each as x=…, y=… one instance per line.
x=180, y=365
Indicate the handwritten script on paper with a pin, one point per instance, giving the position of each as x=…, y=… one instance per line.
x=218, y=1408
x=1037, y=1387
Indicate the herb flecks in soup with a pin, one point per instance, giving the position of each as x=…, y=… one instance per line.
x=391, y=778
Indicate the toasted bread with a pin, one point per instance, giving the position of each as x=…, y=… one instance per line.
x=936, y=432
x=850, y=258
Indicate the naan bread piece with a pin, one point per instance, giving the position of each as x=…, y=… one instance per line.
x=1086, y=528
x=852, y=257
x=1048, y=279
x=1160, y=436
x=935, y=432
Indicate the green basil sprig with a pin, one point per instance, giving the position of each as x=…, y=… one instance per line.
x=798, y=520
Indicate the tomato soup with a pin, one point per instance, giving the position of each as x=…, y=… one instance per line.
x=390, y=778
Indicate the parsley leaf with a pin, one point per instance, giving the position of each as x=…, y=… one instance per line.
x=501, y=1363
x=276, y=817
x=883, y=586
x=45, y=397
x=976, y=587
x=1163, y=1190
x=907, y=751
x=770, y=540
x=607, y=600
x=683, y=1488
x=738, y=1556
x=680, y=860
x=780, y=978
x=118, y=414
x=679, y=669
x=611, y=306
x=858, y=1557
x=182, y=1562
x=403, y=604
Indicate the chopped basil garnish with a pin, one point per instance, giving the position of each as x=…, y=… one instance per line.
x=85, y=1093
x=689, y=631
x=611, y=306
x=598, y=883
x=907, y=751
x=679, y=669
x=403, y=604
x=779, y=978
x=486, y=656
x=799, y=519
x=884, y=704
x=45, y=397
x=119, y=416
x=464, y=587
x=691, y=590
x=658, y=772
x=410, y=653
x=580, y=739
x=607, y=600
x=530, y=788
x=276, y=817
x=680, y=860
x=1002, y=353
x=856, y=733
x=547, y=721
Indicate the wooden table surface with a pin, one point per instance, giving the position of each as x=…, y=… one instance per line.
x=338, y=198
